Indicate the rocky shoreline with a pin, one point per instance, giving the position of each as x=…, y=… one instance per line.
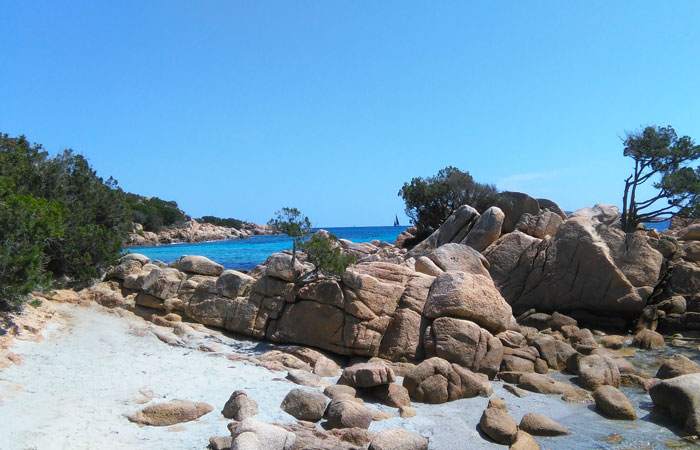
x=522, y=297
x=191, y=232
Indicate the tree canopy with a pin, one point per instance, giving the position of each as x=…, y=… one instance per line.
x=429, y=201
x=57, y=217
x=663, y=159
x=326, y=254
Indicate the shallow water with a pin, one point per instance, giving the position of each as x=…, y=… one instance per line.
x=247, y=253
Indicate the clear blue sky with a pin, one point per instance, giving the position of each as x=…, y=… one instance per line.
x=236, y=109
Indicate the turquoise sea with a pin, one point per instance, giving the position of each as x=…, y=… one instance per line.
x=244, y=254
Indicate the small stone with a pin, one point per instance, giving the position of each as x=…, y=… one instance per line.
x=407, y=412
x=524, y=441
x=398, y=439
x=239, y=406
x=305, y=378
x=170, y=413
x=515, y=390
x=578, y=396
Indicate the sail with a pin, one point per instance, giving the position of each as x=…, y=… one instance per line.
x=396, y=221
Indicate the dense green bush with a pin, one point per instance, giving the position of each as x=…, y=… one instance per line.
x=231, y=223
x=153, y=213
x=326, y=255
x=57, y=217
x=429, y=201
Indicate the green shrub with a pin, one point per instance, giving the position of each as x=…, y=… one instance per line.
x=325, y=253
x=230, y=222
x=153, y=213
x=58, y=218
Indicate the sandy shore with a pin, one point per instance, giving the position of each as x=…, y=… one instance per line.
x=75, y=387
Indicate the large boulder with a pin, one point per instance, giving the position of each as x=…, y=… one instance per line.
x=486, y=229
x=239, y=406
x=305, y=404
x=163, y=283
x=454, y=229
x=435, y=380
x=254, y=434
x=199, y=265
x=679, y=397
x=459, y=258
x=367, y=375
x=647, y=339
x=403, y=339
x=465, y=343
x=232, y=284
x=346, y=413
x=676, y=366
x=612, y=403
x=497, y=424
x=279, y=265
x=555, y=352
x=518, y=204
x=469, y=296
x=596, y=370
x=546, y=223
x=398, y=439
x=585, y=266
x=540, y=425
x=601, y=212
x=171, y=413
x=549, y=205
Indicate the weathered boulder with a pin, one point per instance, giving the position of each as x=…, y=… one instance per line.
x=549, y=205
x=344, y=413
x=124, y=268
x=163, y=283
x=459, y=258
x=597, y=370
x=324, y=291
x=517, y=205
x=454, y=229
x=612, y=403
x=435, y=380
x=465, y=343
x=403, y=339
x=305, y=378
x=254, y=434
x=679, y=397
x=239, y=406
x=586, y=266
x=648, y=339
x=469, y=296
x=199, y=265
x=545, y=223
x=535, y=382
x=398, y=439
x=539, y=425
x=208, y=308
x=232, y=284
x=497, y=424
x=304, y=404
x=555, y=352
x=279, y=265
x=391, y=395
x=426, y=265
x=365, y=375
x=524, y=441
x=335, y=390
x=311, y=323
x=486, y=229
x=676, y=366
x=601, y=212
x=170, y=413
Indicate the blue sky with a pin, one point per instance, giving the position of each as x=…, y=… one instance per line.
x=236, y=109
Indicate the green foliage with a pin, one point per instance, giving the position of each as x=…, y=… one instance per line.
x=431, y=200
x=57, y=216
x=231, y=223
x=660, y=157
x=26, y=225
x=153, y=213
x=325, y=253
x=291, y=222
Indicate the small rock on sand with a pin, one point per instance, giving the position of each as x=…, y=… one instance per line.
x=170, y=413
